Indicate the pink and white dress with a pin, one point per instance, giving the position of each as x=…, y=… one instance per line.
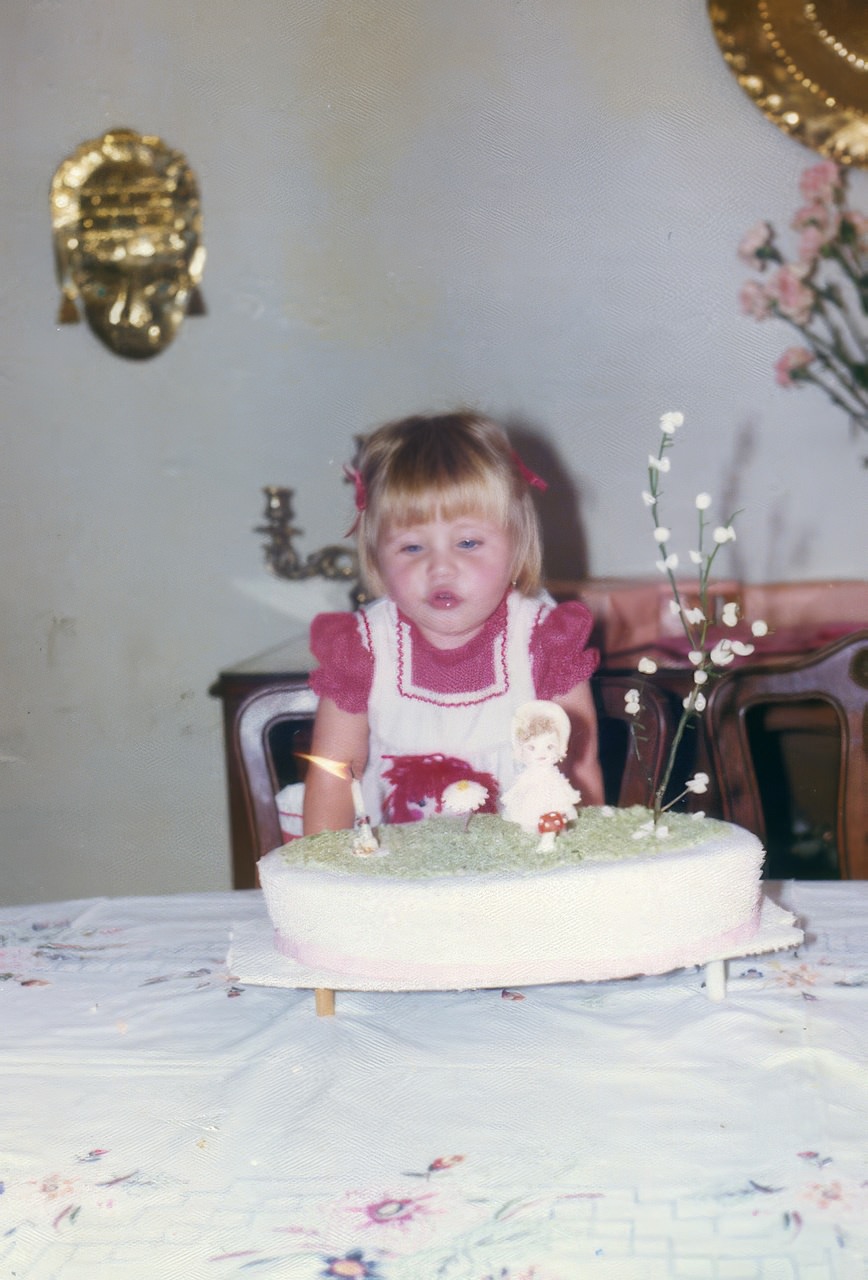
x=438, y=716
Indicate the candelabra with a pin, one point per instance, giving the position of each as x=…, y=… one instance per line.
x=335, y=562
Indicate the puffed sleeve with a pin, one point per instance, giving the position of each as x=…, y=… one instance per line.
x=346, y=667
x=559, y=658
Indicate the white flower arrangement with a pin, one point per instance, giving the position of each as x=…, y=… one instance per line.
x=707, y=657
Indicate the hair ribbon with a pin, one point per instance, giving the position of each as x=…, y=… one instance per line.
x=530, y=477
x=361, y=495
x=353, y=473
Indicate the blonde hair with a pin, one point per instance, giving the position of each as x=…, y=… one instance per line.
x=445, y=465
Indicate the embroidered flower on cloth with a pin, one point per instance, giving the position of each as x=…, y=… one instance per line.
x=393, y=1211
x=352, y=1266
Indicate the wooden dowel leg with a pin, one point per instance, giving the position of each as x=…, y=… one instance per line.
x=715, y=979
x=324, y=998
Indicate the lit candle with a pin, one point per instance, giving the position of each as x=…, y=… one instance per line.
x=364, y=842
x=358, y=801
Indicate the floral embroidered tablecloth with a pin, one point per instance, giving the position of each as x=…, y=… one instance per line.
x=160, y=1118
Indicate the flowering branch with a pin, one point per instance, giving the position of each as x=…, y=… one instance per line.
x=823, y=294
x=706, y=658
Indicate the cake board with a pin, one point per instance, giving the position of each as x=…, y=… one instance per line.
x=253, y=959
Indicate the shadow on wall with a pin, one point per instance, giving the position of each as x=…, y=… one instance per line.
x=564, y=541
x=788, y=545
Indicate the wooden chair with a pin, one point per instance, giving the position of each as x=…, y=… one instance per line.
x=270, y=728
x=632, y=767
x=832, y=686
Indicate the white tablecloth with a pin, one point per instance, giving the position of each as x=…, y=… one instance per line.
x=160, y=1119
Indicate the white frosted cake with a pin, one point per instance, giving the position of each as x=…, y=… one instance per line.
x=441, y=906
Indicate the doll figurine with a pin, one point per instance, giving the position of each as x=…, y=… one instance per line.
x=541, y=800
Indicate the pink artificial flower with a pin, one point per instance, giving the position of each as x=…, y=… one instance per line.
x=754, y=301
x=821, y=181
x=792, y=363
x=859, y=222
x=811, y=243
x=752, y=241
x=818, y=217
x=793, y=297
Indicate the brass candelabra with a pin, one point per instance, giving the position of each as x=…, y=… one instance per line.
x=334, y=562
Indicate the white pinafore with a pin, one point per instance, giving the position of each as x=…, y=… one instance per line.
x=407, y=719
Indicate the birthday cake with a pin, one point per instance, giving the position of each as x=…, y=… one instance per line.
x=457, y=903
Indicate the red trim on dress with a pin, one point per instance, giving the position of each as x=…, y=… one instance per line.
x=435, y=676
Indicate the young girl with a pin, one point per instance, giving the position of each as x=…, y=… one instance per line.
x=418, y=689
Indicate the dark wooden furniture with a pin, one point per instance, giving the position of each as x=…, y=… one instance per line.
x=632, y=764
x=824, y=694
x=267, y=725
x=281, y=671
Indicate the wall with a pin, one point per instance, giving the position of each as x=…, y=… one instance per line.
x=528, y=205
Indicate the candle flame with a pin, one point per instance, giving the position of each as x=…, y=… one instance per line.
x=335, y=767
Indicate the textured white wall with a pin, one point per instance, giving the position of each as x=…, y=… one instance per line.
x=529, y=205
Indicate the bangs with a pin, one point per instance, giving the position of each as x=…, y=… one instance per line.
x=449, y=500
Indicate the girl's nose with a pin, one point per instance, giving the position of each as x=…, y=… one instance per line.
x=440, y=564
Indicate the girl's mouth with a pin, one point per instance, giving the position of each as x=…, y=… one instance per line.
x=443, y=600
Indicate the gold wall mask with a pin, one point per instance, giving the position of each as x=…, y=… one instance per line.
x=127, y=231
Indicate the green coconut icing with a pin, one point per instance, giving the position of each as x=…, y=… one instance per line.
x=442, y=846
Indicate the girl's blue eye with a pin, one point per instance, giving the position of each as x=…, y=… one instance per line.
x=411, y=546
x=469, y=543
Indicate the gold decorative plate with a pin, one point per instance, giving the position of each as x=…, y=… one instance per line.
x=805, y=65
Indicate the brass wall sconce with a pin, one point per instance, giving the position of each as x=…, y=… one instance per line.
x=127, y=230
x=334, y=562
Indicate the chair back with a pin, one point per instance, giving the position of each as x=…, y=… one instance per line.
x=270, y=728
x=632, y=749
x=835, y=679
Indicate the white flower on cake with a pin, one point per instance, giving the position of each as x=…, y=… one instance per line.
x=541, y=800
x=659, y=830
x=464, y=797
x=707, y=656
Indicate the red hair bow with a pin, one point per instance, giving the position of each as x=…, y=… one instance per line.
x=529, y=477
x=361, y=495
x=353, y=473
